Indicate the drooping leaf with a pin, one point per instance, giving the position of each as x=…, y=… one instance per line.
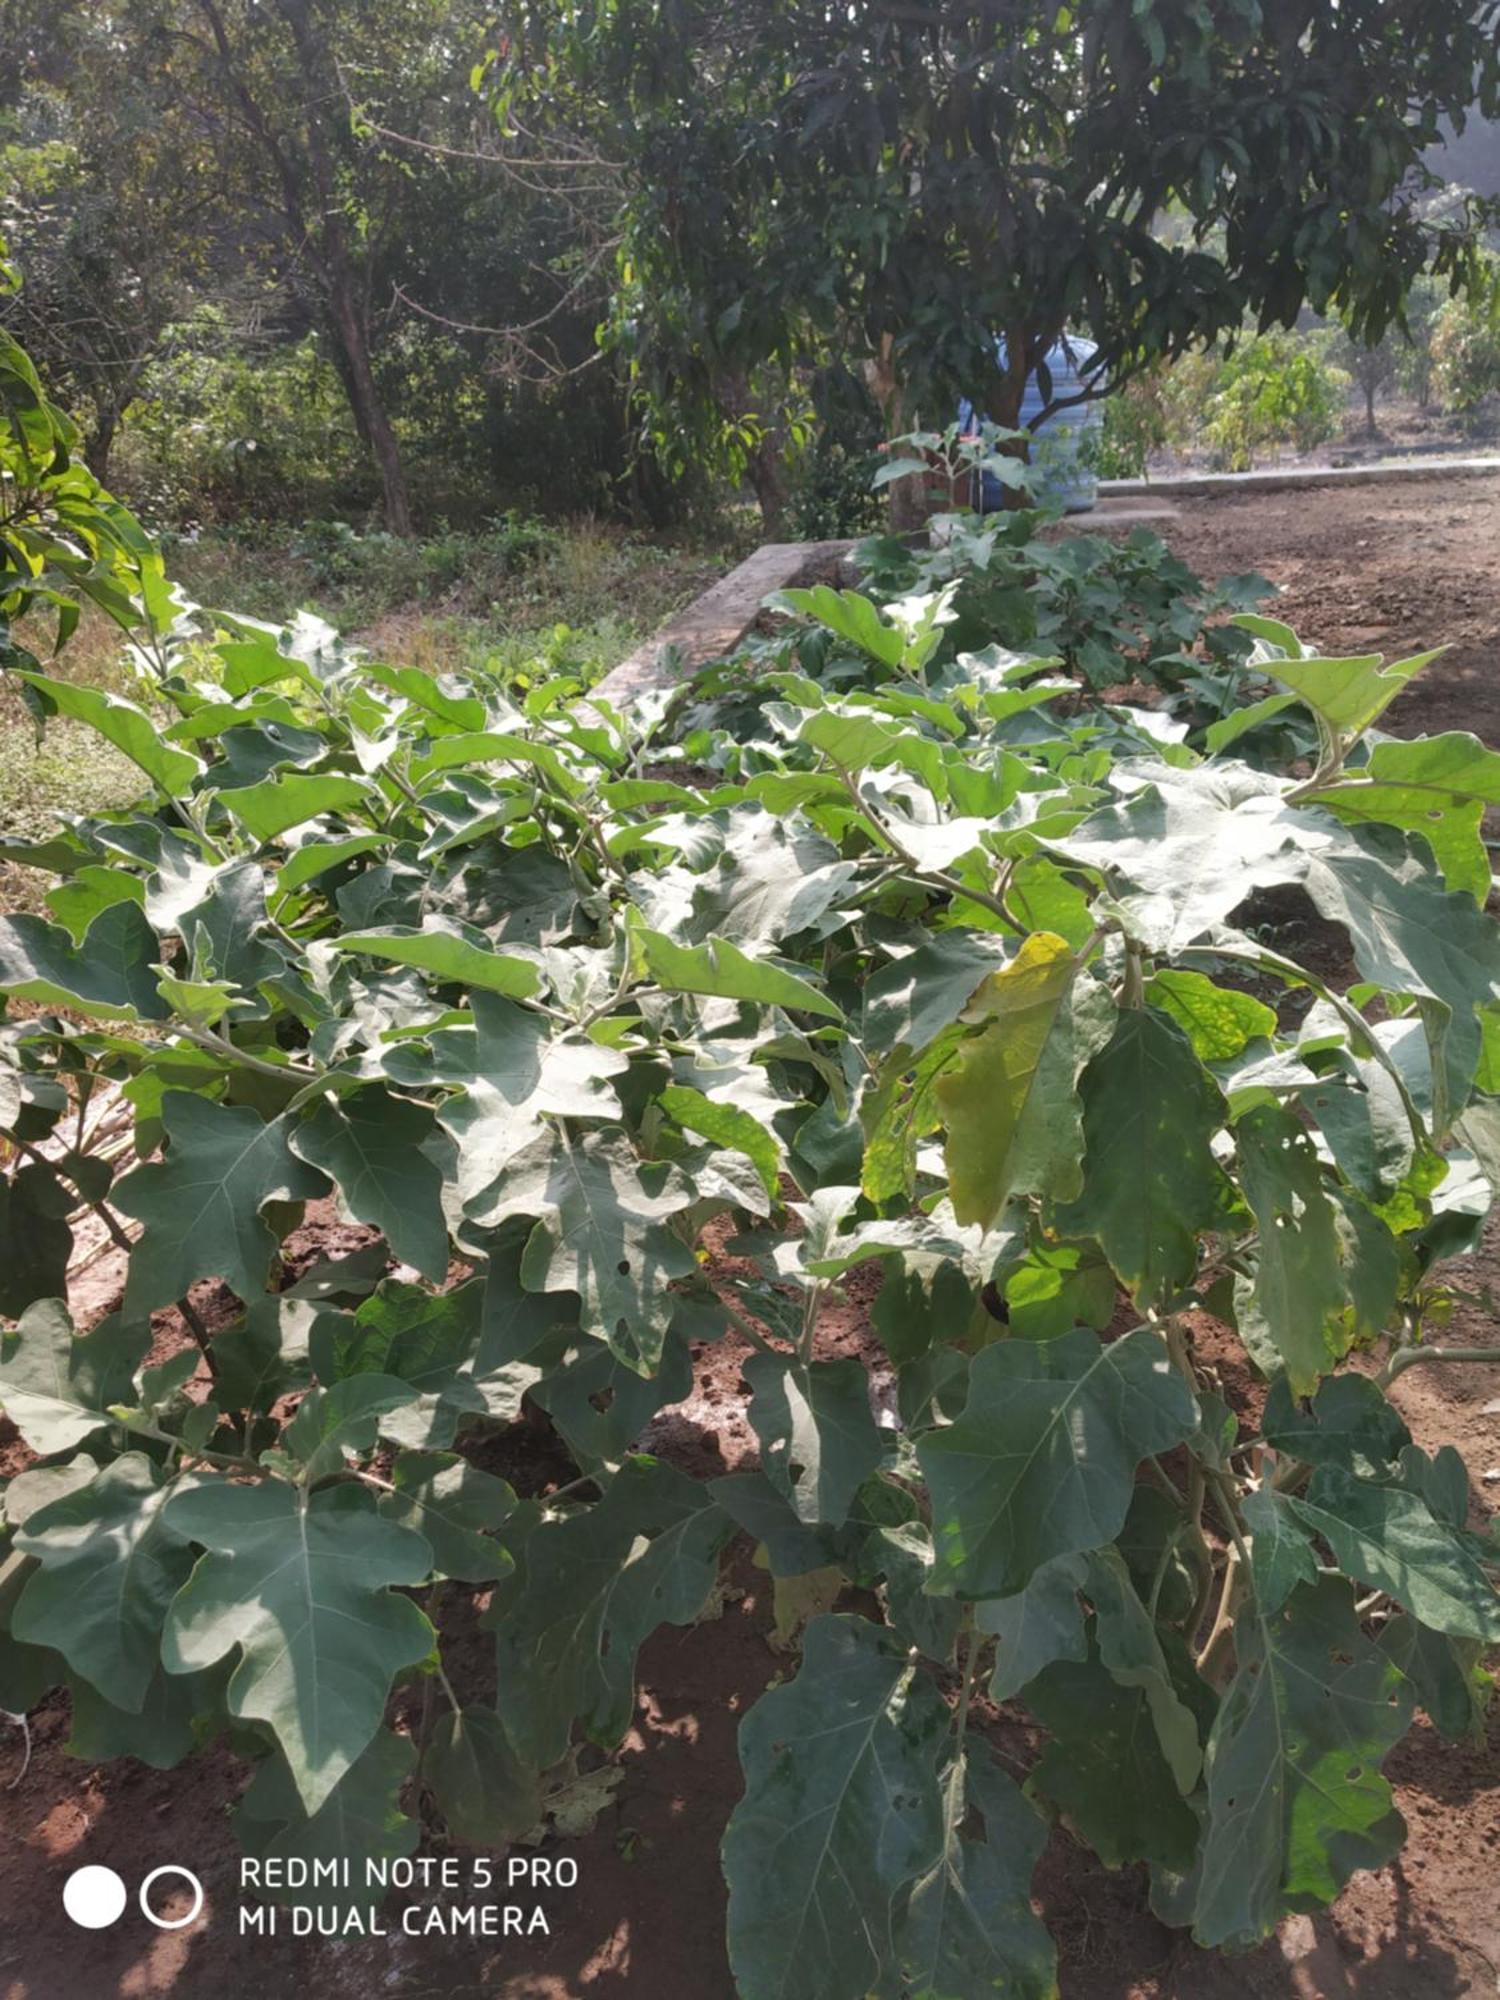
x=36, y=1243
x=302, y=1583
x=1296, y=1801
x=841, y=1811
x=1151, y=1182
x=358, y=1824
x=586, y=1594
x=178, y=1715
x=1298, y=1286
x=1281, y=1555
x=1130, y=1648
x=1010, y=1100
x=1040, y=1624
x=484, y=1792
x=1042, y=1461
x=969, y=1928
x=817, y=1432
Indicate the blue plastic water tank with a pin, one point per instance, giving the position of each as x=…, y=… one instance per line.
x=1065, y=476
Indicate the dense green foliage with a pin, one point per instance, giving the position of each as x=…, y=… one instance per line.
x=937, y=958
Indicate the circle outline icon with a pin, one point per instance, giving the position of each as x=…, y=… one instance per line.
x=171, y=1923
x=95, y=1889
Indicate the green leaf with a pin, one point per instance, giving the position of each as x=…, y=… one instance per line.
x=1390, y=1540
x=371, y=1146
x=77, y=901
x=1347, y=693
x=1150, y=1180
x=969, y=1928
x=483, y=1791
x=841, y=1811
x=720, y=969
x=1010, y=1100
x=277, y=804
x=851, y=617
x=1350, y=1422
x=110, y=1565
x=129, y=728
x=1281, y=1555
x=456, y=1508
x=913, y=999
x=342, y=1420
x=264, y=1355
x=1218, y=1021
x=1299, y=1287
x=587, y=1593
x=178, y=1715
x=602, y=1231
x=202, y=1204
x=1040, y=1624
x=56, y=1386
x=1240, y=721
x=36, y=1244
x=111, y=975
x=1437, y=786
x=1296, y=1801
x=1450, y=1682
x=302, y=1583
x=1105, y=1767
x=359, y=1823
x=727, y=1127
x=817, y=1432
x=1130, y=1648
x=448, y=957
x=1042, y=1461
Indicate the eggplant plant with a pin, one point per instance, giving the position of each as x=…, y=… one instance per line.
x=938, y=970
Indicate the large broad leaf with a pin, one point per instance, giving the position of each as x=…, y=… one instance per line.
x=302, y=1582
x=969, y=1928
x=587, y=1593
x=448, y=957
x=1281, y=1552
x=817, y=1432
x=1350, y=1422
x=370, y=1145
x=110, y=1565
x=110, y=975
x=850, y=616
x=129, y=728
x=178, y=1715
x=1299, y=1288
x=841, y=1811
x=1151, y=1183
x=911, y=1000
x=602, y=1231
x=1448, y=1675
x=1042, y=1461
x=484, y=1792
x=1040, y=1624
x=202, y=1204
x=57, y=1386
x=456, y=1508
x=515, y=1070
x=1010, y=1100
x=1105, y=1766
x=1348, y=693
x=277, y=804
x=719, y=968
x=1439, y=787
x=1389, y=1539
x=358, y=1825
x=1296, y=1801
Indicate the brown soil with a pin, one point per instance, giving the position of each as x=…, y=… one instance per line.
x=1363, y=569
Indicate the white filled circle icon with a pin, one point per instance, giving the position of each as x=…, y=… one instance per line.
x=94, y=1897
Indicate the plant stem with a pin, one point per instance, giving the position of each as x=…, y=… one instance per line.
x=1408, y=1357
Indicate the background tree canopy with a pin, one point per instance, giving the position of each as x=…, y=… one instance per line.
x=697, y=225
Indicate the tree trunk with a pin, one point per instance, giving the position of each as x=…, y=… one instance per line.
x=765, y=467
x=907, y=498
x=1369, y=389
x=343, y=300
